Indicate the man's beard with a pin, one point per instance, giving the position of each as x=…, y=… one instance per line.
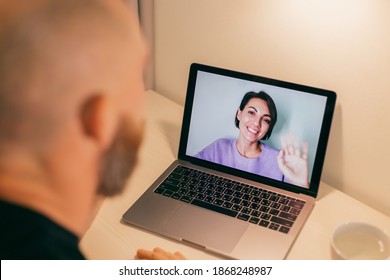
x=120, y=159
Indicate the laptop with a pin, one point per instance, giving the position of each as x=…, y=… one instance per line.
x=216, y=198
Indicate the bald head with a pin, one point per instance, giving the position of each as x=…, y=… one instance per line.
x=53, y=55
x=71, y=104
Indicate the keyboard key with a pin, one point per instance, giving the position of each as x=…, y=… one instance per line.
x=227, y=197
x=265, y=216
x=245, y=203
x=202, y=184
x=264, y=209
x=191, y=193
x=176, y=196
x=203, y=177
x=238, y=194
x=288, y=216
x=255, y=206
x=220, y=182
x=178, y=170
x=215, y=208
x=274, y=226
x=255, y=192
x=186, y=198
x=200, y=190
x=171, y=181
x=281, y=221
x=209, y=192
x=159, y=190
x=297, y=204
x=254, y=220
x=211, y=179
x=227, y=204
x=194, y=181
x=284, y=201
x=182, y=191
x=228, y=191
x=255, y=213
x=265, y=202
x=264, y=223
x=195, y=174
x=276, y=205
x=185, y=179
x=186, y=173
x=175, y=176
x=295, y=211
x=243, y=217
x=265, y=195
x=168, y=193
x=217, y=195
x=170, y=187
x=218, y=202
x=191, y=187
x=284, y=229
x=246, y=190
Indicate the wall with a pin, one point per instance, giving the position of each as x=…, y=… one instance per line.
x=341, y=45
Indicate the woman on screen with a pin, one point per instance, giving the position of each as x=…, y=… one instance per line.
x=255, y=119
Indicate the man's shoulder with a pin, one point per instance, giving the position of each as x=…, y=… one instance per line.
x=27, y=234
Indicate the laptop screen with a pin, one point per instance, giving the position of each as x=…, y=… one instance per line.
x=274, y=131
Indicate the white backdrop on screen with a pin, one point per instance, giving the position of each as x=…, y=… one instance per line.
x=217, y=99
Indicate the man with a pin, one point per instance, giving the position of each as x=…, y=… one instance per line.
x=71, y=120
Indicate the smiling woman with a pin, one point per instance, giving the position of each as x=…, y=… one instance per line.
x=255, y=119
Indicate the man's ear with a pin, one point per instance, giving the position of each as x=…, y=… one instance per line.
x=98, y=119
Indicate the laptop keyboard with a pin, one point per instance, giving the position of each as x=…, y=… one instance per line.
x=248, y=203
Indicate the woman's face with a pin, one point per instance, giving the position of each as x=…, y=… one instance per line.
x=255, y=120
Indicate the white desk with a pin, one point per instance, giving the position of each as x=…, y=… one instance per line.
x=108, y=238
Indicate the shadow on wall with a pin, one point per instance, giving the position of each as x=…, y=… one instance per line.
x=173, y=131
x=333, y=173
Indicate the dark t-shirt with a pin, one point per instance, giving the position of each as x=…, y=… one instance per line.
x=28, y=235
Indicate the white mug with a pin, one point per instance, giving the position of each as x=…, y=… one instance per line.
x=359, y=241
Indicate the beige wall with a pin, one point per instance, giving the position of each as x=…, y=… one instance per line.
x=342, y=45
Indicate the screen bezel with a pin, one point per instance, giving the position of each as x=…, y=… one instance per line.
x=322, y=142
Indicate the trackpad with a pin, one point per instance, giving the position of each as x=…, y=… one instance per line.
x=205, y=228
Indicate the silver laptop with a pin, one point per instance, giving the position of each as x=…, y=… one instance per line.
x=219, y=197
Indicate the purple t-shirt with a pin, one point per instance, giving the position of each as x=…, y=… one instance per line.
x=224, y=151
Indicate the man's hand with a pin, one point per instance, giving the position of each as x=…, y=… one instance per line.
x=158, y=254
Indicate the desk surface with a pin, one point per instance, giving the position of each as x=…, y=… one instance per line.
x=108, y=238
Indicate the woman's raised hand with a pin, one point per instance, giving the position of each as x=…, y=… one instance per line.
x=292, y=160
